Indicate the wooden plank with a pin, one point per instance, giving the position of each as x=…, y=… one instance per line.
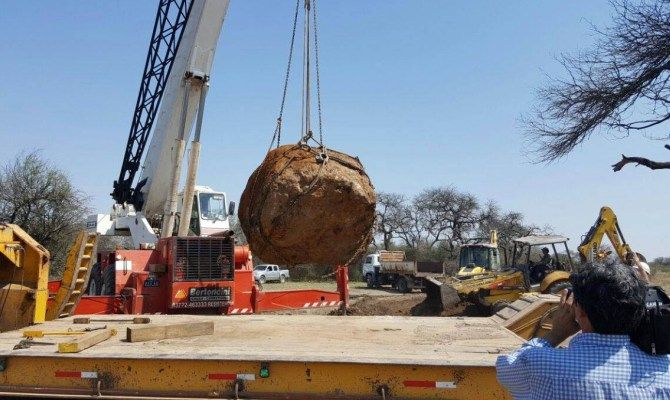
x=87, y=320
x=85, y=341
x=157, y=332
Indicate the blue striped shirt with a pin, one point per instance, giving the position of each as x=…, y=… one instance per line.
x=594, y=366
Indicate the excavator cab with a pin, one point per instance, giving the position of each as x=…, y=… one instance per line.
x=477, y=259
x=527, y=257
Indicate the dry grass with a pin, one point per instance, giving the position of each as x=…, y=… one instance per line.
x=661, y=277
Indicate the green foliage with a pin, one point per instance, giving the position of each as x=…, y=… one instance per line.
x=40, y=198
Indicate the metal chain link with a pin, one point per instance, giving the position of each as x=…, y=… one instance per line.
x=277, y=133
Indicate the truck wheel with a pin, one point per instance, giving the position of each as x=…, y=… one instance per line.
x=401, y=285
x=262, y=279
x=370, y=281
x=95, y=281
x=108, y=281
x=282, y=278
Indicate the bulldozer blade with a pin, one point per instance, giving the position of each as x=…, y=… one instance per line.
x=441, y=294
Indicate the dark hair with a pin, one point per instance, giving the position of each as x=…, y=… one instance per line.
x=611, y=295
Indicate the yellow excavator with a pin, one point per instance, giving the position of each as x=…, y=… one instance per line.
x=495, y=289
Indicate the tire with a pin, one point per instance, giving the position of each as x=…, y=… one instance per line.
x=557, y=287
x=282, y=278
x=262, y=279
x=108, y=281
x=370, y=281
x=95, y=281
x=402, y=286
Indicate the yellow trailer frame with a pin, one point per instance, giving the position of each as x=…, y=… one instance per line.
x=272, y=356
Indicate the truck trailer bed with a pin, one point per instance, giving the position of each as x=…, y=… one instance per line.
x=270, y=356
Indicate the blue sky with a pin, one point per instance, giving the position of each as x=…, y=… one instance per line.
x=426, y=93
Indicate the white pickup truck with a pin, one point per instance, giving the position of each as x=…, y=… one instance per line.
x=270, y=272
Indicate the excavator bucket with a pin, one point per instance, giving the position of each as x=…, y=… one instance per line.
x=442, y=295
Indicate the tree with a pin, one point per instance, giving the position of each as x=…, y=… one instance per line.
x=509, y=225
x=388, y=216
x=448, y=216
x=41, y=199
x=621, y=85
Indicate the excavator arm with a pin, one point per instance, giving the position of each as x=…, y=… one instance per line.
x=606, y=224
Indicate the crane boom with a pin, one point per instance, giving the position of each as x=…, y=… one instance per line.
x=190, y=71
x=168, y=28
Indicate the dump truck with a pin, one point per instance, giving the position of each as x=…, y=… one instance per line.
x=391, y=268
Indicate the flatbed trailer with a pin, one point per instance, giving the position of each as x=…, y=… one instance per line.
x=269, y=356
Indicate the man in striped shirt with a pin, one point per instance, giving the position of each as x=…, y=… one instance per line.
x=607, y=304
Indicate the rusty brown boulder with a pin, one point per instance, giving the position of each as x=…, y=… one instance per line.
x=297, y=209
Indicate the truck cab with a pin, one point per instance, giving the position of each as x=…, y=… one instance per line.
x=211, y=211
x=368, y=268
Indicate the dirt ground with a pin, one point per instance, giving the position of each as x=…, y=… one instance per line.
x=411, y=304
x=356, y=289
x=384, y=301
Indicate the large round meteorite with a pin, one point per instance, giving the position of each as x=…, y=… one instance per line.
x=299, y=209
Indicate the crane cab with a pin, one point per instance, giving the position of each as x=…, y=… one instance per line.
x=211, y=212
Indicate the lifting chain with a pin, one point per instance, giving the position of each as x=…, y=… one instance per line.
x=306, y=133
x=277, y=133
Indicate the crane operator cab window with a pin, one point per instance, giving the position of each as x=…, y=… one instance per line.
x=209, y=214
x=212, y=206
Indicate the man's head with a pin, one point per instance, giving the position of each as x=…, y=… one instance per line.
x=545, y=250
x=610, y=296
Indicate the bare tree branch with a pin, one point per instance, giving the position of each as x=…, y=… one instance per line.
x=622, y=84
x=640, y=161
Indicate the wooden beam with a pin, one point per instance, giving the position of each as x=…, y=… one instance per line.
x=85, y=341
x=157, y=332
x=87, y=320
